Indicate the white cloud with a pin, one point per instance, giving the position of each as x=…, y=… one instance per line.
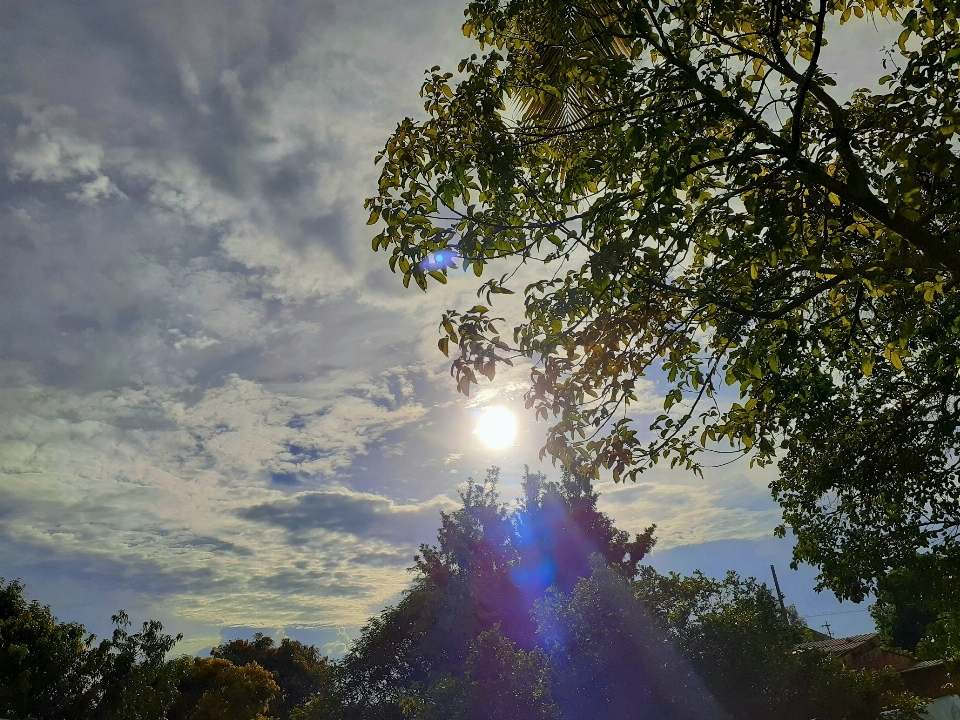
x=195, y=343
x=142, y=477
x=51, y=148
x=47, y=148
x=90, y=193
x=689, y=510
x=223, y=338
x=189, y=79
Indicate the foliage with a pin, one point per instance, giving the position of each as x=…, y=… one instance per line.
x=539, y=609
x=916, y=607
x=507, y=684
x=733, y=633
x=51, y=671
x=712, y=213
x=300, y=670
x=489, y=566
x=134, y=678
x=216, y=689
x=44, y=664
x=942, y=640
x=613, y=640
x=611, y=661
x=559, y=528
x=320, y=706
x=54, y=670
x=908, y=600
x=499, y=682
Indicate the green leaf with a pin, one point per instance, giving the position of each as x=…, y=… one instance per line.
x=666, y=226
x=902, y=40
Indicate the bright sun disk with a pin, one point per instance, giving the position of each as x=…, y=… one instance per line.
x=496, y=427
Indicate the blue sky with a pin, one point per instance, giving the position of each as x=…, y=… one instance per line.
x=217, y=406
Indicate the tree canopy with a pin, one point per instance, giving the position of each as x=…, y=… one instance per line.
x=50, y=670
x=43, y=663
x=536, y=609
x=488, y=568
x=707, y=211
x=916, y=608
x=614, y=639
x=299, y=669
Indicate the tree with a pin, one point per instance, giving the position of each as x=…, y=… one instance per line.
x=668, y=646
x=942, y=641
x=461, y=589
x=216, y=689
x=559, y=529
x=499, y=682
x=300, y=670
x=44, y=664
x=490, y=564
x=133, y=678
x=708, y=212
x=618, y=641
x=506, y=683
x=610, y=660
x=51, y=670
x=737, y=640
x=916, y=608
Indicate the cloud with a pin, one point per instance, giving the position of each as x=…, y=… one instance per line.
x=247, y=429
x=360, y=514
x=101, y=187
x=215, y=402
x=147, y=479
x=690, y=511
x=48, y=149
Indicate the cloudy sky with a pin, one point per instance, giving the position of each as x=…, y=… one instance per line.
x=217, y=406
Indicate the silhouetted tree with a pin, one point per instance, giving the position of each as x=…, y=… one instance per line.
x=544, y=610
x=488, y=568
x=916, y=607
x=135, y=681
x=610, y=660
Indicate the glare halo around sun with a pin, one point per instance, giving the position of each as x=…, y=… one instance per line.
x=496, y=427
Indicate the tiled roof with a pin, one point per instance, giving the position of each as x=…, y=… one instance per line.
x=923, y=664
x=838, y=646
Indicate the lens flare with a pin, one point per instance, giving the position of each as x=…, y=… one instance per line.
x=440, y=260
x=496, y=427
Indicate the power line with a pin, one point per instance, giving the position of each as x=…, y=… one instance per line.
x=838, y=612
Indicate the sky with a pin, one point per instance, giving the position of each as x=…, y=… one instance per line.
x=218, y=407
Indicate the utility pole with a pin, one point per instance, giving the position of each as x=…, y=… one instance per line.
x=827, y=626
x=776, y=584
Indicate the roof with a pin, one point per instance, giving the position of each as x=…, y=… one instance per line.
x=923, y=665
x=839, y=646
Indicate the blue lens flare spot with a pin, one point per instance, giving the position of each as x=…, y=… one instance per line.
x=440, y=260
x=533, y=578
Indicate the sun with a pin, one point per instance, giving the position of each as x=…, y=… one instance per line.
x=496, y=427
